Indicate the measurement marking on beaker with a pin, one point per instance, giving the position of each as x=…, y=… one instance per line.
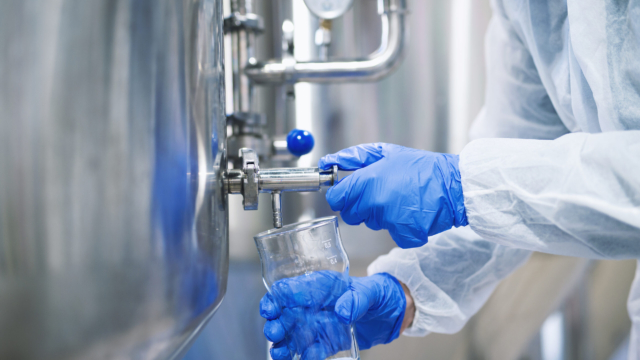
x=332, y=259
x=327, y=243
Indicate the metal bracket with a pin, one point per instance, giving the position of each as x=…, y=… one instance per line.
x=250, y=182
x=247, y=131
x=249, y=22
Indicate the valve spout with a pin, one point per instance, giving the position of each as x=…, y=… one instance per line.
x=276, y=205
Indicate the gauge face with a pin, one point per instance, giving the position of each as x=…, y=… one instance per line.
x=328, y=9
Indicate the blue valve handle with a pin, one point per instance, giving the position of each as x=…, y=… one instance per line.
x=300, y=142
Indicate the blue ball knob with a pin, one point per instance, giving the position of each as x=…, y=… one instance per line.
x=300, y=142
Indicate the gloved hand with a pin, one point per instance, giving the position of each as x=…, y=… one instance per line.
x=376, y=304
x=412, y=193
x=311, y=314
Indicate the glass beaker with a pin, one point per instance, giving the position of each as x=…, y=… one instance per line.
x=307, y=251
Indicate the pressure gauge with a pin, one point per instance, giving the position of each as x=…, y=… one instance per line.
x=328, y=9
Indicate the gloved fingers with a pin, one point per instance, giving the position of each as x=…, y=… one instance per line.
x=352, y=305
x=290, y=318
x=373, y=223
x=279, y=351
x=317, y=351
x=333, y=332
x=408, y=242
x=274, y=331
x=303, y=337
x=410, y=228
x=358, y=195
x=338, y=194
x=367, y=295
x=346, y=197
x=316, y=290
x=355, y=157
x=268, y=308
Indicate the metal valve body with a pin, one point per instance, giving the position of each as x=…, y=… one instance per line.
x=250, y=181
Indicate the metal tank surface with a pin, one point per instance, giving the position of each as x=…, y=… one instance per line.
x=113, y=223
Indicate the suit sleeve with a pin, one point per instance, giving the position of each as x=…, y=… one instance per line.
x=578, y=195
x=450, y=278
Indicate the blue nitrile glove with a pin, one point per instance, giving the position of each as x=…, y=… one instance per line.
x=311, y=314
x=412, y=193
x=376, y=304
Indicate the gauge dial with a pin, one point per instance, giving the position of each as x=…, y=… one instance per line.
x=328, y=9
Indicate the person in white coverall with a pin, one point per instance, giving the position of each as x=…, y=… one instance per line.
x=554, y=167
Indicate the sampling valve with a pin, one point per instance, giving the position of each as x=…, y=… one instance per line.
x=251, y=180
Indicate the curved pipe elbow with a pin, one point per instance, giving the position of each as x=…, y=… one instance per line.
x=378, y=65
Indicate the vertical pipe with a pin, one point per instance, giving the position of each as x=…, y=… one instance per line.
x=460, y=75
x=282, y=30
x=306, y=94
x=243, y=49
x=469, y=21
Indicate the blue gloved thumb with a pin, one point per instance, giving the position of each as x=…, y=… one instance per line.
x=355, y=157
x=354, y=304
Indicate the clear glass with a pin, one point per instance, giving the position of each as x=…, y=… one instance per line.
x=300, y=250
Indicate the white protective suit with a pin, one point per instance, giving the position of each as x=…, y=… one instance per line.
x=567, y=74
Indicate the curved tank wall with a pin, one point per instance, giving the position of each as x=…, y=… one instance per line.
x=113, y=228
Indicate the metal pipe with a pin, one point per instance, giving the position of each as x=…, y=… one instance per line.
x=282, y=180
x=243, y=51
x=375, y=66
x=291, y=179
x=233, y=181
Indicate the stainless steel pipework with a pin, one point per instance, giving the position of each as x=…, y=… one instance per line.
x=281, y=179
x=377, y=65
x=243, y=26
x=251, y=180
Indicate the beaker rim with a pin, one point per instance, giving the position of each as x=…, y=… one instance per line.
x=302, y=225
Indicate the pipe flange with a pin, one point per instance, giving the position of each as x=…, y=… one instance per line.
x=250, y=182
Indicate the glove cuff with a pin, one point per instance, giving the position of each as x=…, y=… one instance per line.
x=401, y=308
x=456, y=193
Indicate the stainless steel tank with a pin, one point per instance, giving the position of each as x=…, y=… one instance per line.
x=113, y=226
